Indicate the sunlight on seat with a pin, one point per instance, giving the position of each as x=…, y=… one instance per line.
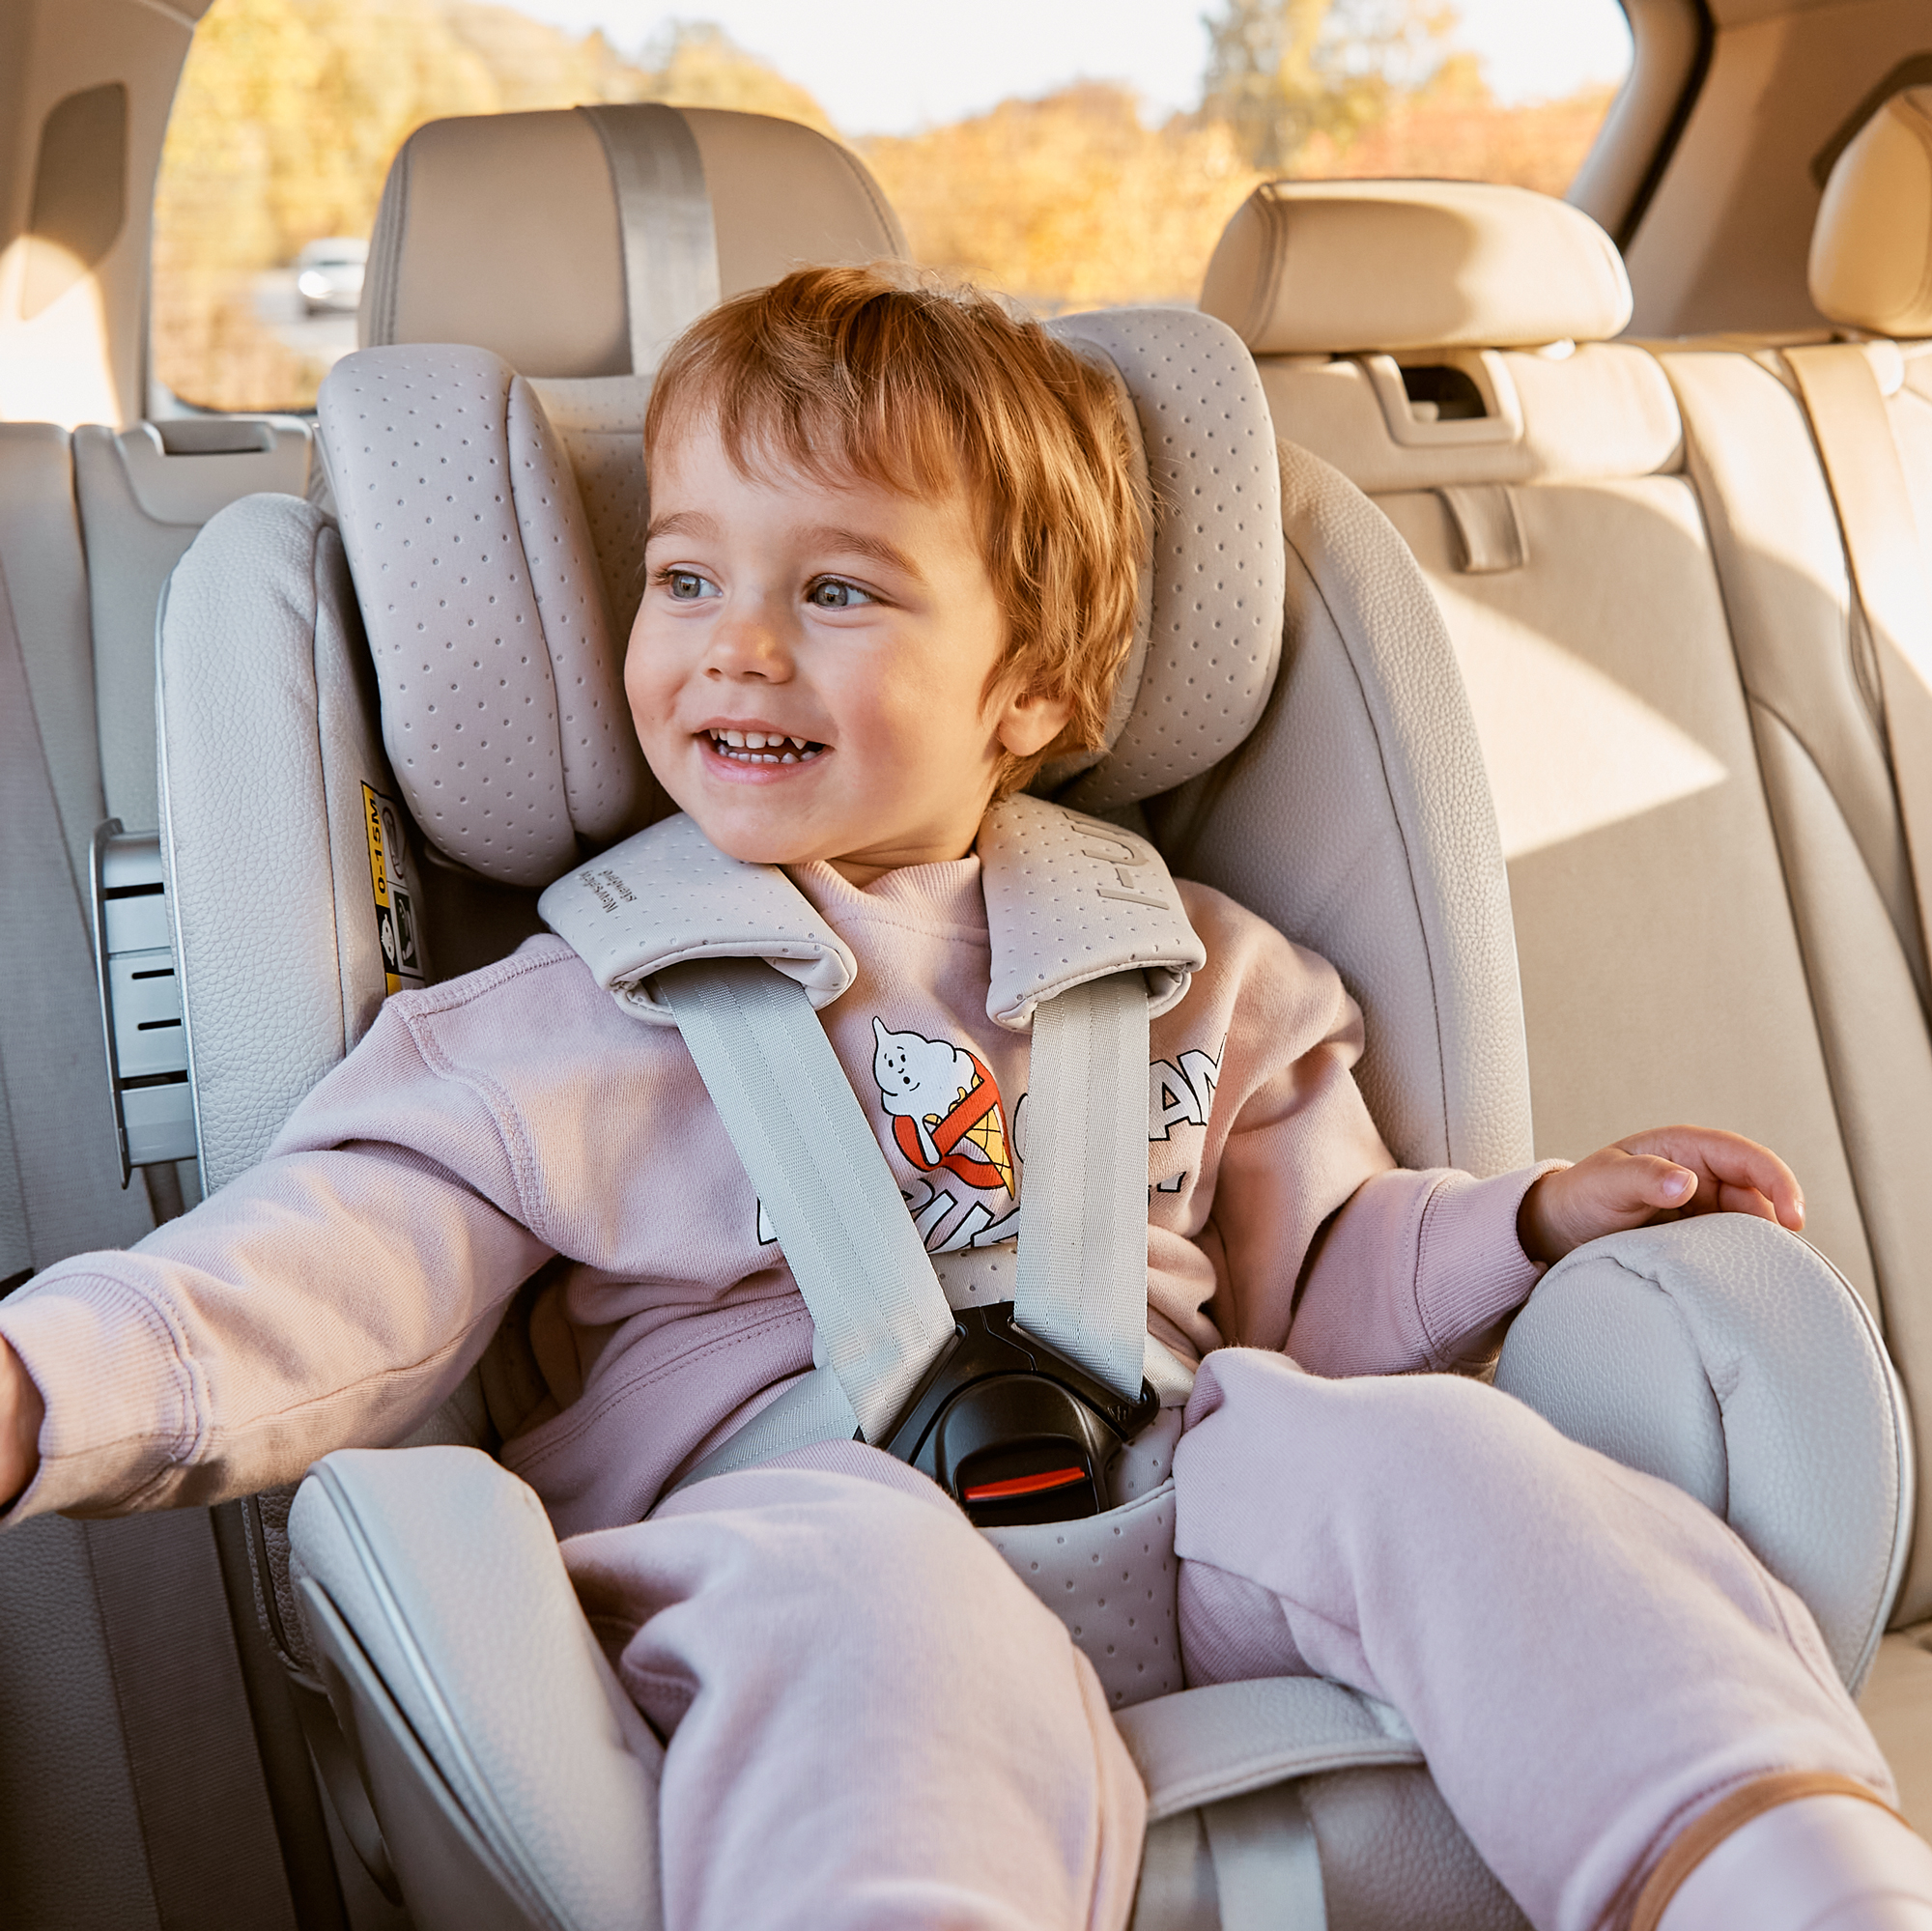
x=1569, y=749
x=54, y=367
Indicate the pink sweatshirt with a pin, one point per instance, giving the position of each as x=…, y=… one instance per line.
x=338, y=1291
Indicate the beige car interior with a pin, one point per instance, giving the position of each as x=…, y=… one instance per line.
x=1648, y=564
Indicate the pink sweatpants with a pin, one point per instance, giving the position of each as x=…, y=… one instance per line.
x=874, y=1723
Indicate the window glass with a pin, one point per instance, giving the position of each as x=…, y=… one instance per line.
x=1005, y=161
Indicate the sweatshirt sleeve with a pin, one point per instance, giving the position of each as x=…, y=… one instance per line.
x=333, y=1294
x=1322, y=1247
x=1417, y=1271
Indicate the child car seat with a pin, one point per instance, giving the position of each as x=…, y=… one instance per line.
x=1360, y=764
x=1343, y=741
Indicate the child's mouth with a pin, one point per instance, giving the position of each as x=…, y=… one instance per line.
x=763, y=748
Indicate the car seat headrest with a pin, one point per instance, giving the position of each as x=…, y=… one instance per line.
x=1208, y=636
x=1350, y=267
x=501, y=670
x=580, y=243
x=1871, y=246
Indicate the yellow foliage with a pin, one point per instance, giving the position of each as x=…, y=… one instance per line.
x=290, y=111
x=701, y=68
x=1461, y=134
x=1069, y=202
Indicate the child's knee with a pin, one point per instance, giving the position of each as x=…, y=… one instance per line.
x=1257, y=1416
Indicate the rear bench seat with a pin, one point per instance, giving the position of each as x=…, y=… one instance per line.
x=1871, y=414
x=109, y=1758
x=1638, y=564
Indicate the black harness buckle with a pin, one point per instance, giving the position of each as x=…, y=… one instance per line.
x=1010, y=1428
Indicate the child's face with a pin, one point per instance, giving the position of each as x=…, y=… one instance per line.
x=854, y=619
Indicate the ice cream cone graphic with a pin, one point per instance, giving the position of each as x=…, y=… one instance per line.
x=970, y=1137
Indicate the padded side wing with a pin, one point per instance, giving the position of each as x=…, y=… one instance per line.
x=279, y=823
x=1358, y=819
x=1731, y=1358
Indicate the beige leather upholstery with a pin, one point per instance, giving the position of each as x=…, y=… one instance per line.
x=502, y=231
x=1872, y=247
x=1712, y=894
x=1341, y=266
x=1897, y=1703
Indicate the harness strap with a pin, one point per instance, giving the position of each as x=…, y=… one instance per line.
x=1082, y=1280
x=812, y=1409
x=1852, y=430
x=663, y=210
x=880, y=1313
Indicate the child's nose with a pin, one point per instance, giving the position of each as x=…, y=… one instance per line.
x=750, y=641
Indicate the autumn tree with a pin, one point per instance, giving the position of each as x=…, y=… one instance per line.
x=1281, y=71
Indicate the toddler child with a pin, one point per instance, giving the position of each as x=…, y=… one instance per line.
x=892, y=568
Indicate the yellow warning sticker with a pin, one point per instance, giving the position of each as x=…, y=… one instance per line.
x=395, y=908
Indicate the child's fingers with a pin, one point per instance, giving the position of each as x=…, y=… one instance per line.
x=1745, y=1200
x=1735, y=1174
x=1662, y=1183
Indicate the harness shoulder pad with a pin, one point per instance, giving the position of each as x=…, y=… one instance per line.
x=668, y=896
x=1072, y=898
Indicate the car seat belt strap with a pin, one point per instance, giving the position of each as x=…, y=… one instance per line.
x=1883, y=546
x=663, y=210
x=880, y=1313
x=1082, y=1280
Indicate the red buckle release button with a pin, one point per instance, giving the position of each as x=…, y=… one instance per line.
x=1024, y=1485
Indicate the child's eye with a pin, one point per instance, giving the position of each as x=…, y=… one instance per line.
x=687, y=587
x=834, y=593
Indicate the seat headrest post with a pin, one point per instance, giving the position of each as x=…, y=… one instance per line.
x=1349, y=266
x=1871, y=266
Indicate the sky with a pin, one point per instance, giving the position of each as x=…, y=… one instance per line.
x=893, y=66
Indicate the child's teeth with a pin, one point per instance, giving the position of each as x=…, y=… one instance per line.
x=754, y=740
x=730, y=737
x=791, y=758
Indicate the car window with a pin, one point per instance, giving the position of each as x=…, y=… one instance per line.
x=1079, y=156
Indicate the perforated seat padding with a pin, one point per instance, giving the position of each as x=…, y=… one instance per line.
x=503, y=710
x=1214, y=643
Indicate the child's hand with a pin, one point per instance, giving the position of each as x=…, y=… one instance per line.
x=21, y=1410
x=1661, y=1175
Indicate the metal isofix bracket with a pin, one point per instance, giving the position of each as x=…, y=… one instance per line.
x=140, y=1001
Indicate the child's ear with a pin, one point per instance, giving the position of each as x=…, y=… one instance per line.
x=1029, y=723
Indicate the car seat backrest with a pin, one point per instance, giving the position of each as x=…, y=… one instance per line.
x=59, y=1176
x=576, y=244
x=1541, y=488
x=1648, y=540
x=507, y=731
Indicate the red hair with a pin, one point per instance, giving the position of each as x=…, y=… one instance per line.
x=853, y=372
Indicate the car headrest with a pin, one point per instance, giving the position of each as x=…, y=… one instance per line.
x=1871, y=246
x=1350, y=266
x=501, y=665
x=580, y=243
